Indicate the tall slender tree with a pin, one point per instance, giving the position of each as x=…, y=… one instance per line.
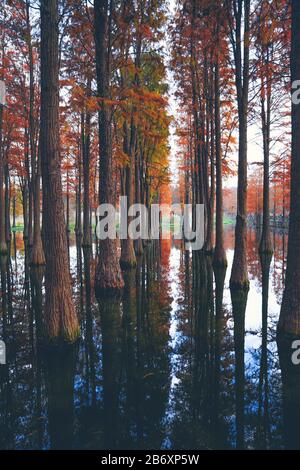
x=3, y=246
x=240, y=38
x=219, y=253
x=108, y=274
x=60, y=317
x=289, y=321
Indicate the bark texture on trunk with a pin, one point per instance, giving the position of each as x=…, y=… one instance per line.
x=239, y=274
x=37, y=257
x=289, y=321
x=3, y=246
x=219, y=253
x=60, y=318
x=108, y=279
x=87, y=234
x=266, y=242
x=128, y=259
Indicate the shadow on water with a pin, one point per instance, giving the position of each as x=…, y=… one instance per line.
x=175, y=363
x=59, y=370
x=219, y=430
x=291, y=392
x=239, y=303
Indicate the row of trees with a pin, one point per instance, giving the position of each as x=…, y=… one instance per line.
x=98, y=124
x=95, y=128
x=235, y=56
x=231, y=60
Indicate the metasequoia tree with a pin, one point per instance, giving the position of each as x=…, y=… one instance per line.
x=219, y=252
x=79, y=64
x=3, y=246
x=271, y=68
x=289, y=321
x=240, y=37
x=108, y=274
x=201, y=64
x=60, y=317
x=37, y=253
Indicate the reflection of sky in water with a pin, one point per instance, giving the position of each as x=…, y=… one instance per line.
x=253, y=324
x=174, y=332
x=253, y=319
x=181, y=352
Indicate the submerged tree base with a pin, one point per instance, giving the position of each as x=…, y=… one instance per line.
x=220, y=259
x=209, y=251
x=61, y=322
x=289, y=321
x=3, y=249
x=220, y=263
x=108, y=283
x=266, y=247
x=108, y=292
x=243, y=286
x=128, y=258
x=138, y=247
x=59, y=342
x=127, y=265
x=37, y=257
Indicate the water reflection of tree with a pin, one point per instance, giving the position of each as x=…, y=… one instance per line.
x=151, y=326
x=263, y=436
x=201, y=410
x=239, y=302
x=59, y=370
x=203, y=370
x=291, y=392
x=134, y=364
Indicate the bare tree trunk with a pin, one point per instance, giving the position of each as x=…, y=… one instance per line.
x=87, y=236
x=239, y=273
x=266, y=242
x=108, y=279
x=37, y=253
x=60, y=317
x=78, y=226
x=219, y=253
x=210, y=132
x=289, y=321
x=128, y=259
x=7, y=205
x=37, y=256
x=3, y=246
x=135, y=153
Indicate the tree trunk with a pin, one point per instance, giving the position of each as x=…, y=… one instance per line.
x=87, y=236
x=108, y=279
x=37, y=252
x=7, y=206
x=210, y=131
x=37, y=257
x=128, y=259
x=3, y=246
x=289, y=321
x=60, y=318
x=239, y=274
x=219, y=253
x=266, y=242
x=135, y=153
x=78, y=225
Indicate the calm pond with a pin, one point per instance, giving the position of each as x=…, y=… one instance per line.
x=175, y=364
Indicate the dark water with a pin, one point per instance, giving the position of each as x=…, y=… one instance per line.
x=175, y=364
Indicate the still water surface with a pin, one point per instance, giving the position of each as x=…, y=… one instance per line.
x=175, y=364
